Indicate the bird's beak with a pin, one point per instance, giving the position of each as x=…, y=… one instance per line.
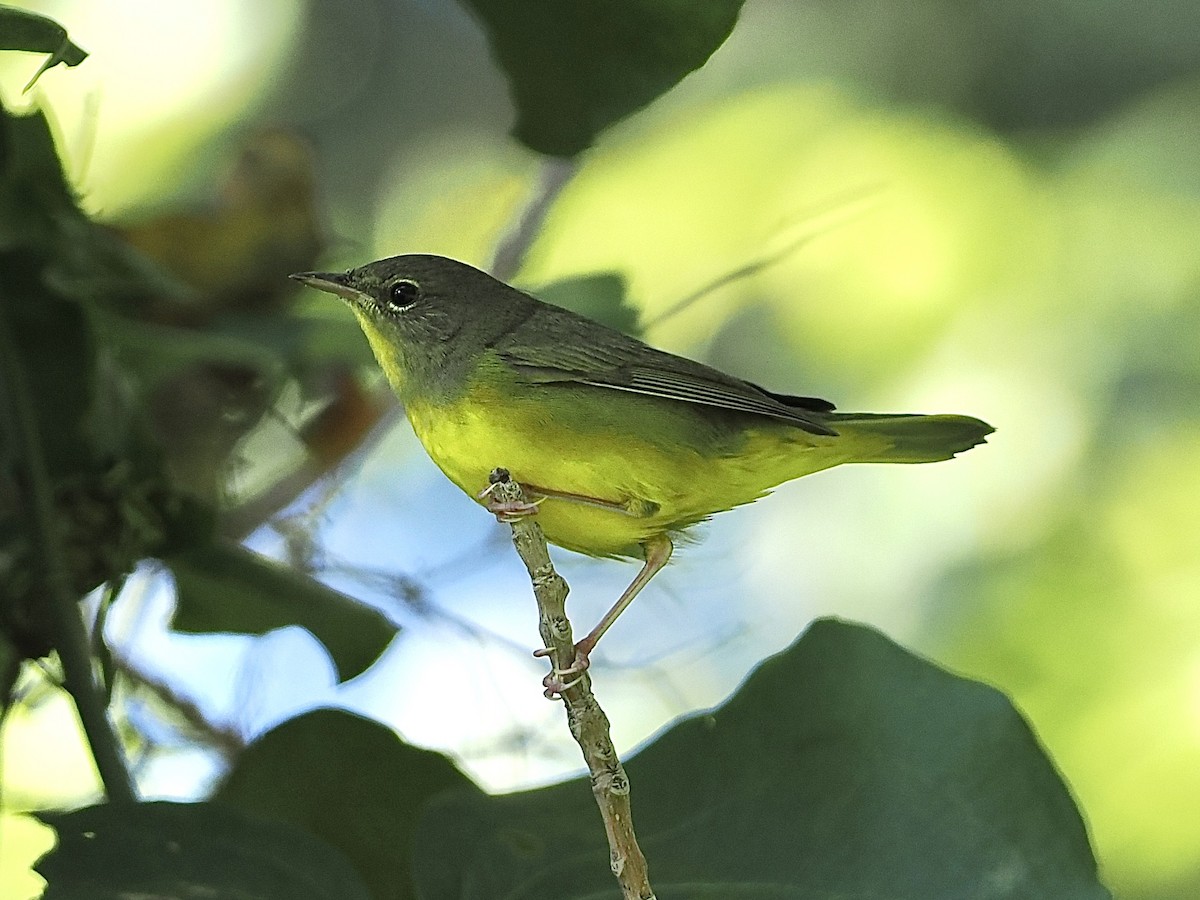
x=332, y=283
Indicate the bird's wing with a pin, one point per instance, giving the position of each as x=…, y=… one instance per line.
x=555, y=346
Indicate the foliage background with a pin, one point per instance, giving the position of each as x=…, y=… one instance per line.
x=1000, y=205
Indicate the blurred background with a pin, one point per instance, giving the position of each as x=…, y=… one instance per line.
x=990, y=208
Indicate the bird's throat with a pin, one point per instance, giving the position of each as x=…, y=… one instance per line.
x=389, y=354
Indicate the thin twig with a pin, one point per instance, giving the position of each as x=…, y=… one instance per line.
x=588, y=723
x=845, y=206
x=69, y=636
x=556, y=172
x=226, y=740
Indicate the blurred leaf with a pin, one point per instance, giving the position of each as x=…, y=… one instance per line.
x=33, y=191
x=844, y=767
x=1119, y=53
x=262, y=225
x=157, y=354
x=307, y=335
x=223, y=587
x=75, y=257
x=57, y=350
x=21, y=30
x=188, y=850
x=10, y=669
x=576, y=68
x=599, y=296
x=364, y=789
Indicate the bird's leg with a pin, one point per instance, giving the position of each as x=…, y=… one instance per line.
x=507, y=511
x=658, y=551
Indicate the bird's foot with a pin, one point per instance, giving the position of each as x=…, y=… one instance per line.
x=553, y=683
x=507, y=511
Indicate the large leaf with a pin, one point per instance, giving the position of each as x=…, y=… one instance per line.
x=575, y=68
x=363, y=789
x=188, y=850
x=223, y=587
x=845, y=767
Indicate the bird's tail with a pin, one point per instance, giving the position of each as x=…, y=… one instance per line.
x=884, y=438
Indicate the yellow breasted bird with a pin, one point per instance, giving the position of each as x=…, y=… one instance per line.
x=624, y=446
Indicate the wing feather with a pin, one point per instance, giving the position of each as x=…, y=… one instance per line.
x=622, y=363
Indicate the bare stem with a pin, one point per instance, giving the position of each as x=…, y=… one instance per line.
x=66, y=623
x=588, y=723
x=556, y=172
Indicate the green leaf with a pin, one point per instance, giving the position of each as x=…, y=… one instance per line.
x=223, y=587
x=10, y=670
x=599, y=296
x=21, y=30
x=844, y=767
x=56, y=348
x=188, y=850
x=576, y=68
x=363, y=789
x=35, y=199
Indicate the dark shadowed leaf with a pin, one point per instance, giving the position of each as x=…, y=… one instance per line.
x=10, y=668
x=363, y=789
x=57, y=351
x=575, y=68
x=599, y=296
x=845, y=767
x=166, y=851
x=223, y=587
x=35, y=199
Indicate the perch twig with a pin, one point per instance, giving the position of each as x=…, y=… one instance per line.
x=588, y=723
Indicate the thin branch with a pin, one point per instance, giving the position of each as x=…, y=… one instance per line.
x=223, y=739
x=69, y=635
x=556, y=172
x=845, y=205
x=588, y=723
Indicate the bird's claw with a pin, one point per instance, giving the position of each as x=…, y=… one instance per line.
x=553, y=683
x=507, y=511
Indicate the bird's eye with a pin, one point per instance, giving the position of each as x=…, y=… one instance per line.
x=403, y=295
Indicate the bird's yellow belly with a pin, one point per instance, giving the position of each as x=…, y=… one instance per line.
x=656, y=486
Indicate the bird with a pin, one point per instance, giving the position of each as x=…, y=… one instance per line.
x=622, y=447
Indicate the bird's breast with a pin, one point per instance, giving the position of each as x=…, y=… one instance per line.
x=653, y=465
x=545, y=437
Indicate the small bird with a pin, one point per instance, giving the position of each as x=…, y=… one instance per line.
x=622, y=446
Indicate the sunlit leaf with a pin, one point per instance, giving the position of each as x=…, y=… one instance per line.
x=364, y=789
x=223, y=587
x=576, y=68
x=189, y=850
x=845, y=767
